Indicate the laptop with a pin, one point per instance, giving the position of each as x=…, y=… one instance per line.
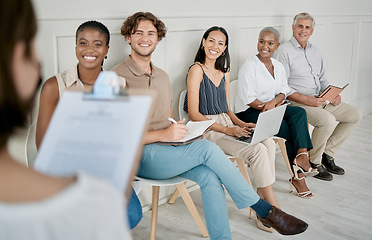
x=268, y=124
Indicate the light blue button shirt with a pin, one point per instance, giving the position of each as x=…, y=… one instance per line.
x=304, y=67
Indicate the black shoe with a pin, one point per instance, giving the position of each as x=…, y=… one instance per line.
x=329, y=163
x=283, y=223
x=323, y=173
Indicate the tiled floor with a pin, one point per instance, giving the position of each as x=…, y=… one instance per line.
x=341, y=209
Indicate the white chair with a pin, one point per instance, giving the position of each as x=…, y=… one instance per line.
x=181, y=102
x=181, y=189
x=280, y=141
x=30, y=146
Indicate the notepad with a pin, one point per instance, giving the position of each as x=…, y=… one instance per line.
x=331, y=92
x=196, y=131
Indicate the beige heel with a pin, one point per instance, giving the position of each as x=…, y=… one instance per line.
x=263, y=227
x=307, y=194
x=297, y=168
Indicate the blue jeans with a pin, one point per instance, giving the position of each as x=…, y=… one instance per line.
x=134, y=210
x=203, y=162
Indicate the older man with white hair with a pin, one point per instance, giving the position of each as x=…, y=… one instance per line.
x=333, y=121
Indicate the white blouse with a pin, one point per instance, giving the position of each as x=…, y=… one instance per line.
x=256, y=82
x=89, y=209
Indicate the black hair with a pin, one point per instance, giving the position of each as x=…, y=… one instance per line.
x=17, y=24
x=92, y=24
x=223, y=62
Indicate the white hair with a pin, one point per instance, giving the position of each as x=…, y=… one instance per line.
x=303, y=15
x=271, y=29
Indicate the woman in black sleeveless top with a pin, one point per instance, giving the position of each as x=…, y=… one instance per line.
x=208, y=84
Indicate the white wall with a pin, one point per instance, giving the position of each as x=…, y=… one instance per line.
x=342, y=32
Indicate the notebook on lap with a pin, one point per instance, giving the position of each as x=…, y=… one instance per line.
x=268, y=124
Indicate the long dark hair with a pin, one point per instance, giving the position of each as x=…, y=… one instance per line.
x=223, y=61
x=17, y=24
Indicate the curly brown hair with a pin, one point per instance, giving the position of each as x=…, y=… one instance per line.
x=131, y=23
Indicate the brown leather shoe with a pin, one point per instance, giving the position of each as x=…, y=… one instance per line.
x=283, y=223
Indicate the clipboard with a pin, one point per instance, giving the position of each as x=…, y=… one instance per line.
x=100, y=136
x=331, y=92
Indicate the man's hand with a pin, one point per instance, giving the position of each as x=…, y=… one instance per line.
x=175, y=132
x=336, y=101
x=313, y=101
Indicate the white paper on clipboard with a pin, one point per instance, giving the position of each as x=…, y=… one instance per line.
x=100, y=137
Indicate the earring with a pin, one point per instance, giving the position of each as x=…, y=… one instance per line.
x=105, y=57
x=202, y=47
x=223, y=54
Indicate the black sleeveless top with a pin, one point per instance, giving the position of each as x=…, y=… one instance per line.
x=212, y=99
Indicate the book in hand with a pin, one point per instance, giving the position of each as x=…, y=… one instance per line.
x=196, y=131
x=331, y=92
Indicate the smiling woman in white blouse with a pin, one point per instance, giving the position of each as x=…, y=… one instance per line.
x=262, y=85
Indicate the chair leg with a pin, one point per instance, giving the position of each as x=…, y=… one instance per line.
x=281, y=143
x=242, y=169
x=192, y=209
x=174, y=195
x=154, y=214
x=244, y=172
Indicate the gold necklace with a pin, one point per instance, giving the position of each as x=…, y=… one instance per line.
x=267, y=66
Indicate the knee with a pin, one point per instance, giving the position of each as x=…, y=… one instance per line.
x=302, y=112
x=356, y=115
x=326, y=121
x=297, y=112
x=260, y=149
x=270, y=143
x=209, y=148
x=208, y=179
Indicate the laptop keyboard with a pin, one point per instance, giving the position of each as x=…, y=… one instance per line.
x=245, y=139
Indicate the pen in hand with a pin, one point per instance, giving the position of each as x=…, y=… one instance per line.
x=172, y=120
